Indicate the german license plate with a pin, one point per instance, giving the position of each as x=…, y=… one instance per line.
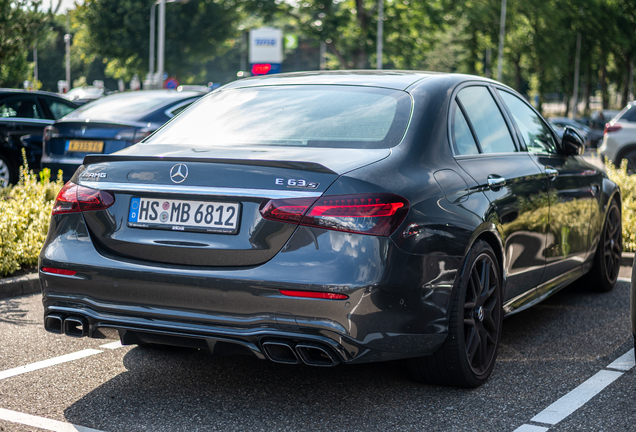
x=85, y=146
x=178, y=215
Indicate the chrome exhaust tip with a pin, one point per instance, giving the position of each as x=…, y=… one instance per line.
x=54, y=323
x=280, y=352
x=75, y=326
x=315, y=355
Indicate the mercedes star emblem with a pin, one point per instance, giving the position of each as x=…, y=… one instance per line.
x=178, y=173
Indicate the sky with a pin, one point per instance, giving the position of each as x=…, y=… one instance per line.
x=66, y=4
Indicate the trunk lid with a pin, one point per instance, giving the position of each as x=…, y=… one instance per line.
x=233, y=182
x=77, y=139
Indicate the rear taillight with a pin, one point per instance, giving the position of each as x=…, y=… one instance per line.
x=75, y=198
x=373, y=214
x=612, y=128
x=50, y=132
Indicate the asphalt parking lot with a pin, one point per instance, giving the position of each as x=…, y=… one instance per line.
x=557, y=370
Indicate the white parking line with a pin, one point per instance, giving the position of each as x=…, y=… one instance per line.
x=531, y=428
x=112, y=345
x=46, y=363
x=624, y=362
x=42, y=423
x=576, y=398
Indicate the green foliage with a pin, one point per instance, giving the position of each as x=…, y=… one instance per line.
x=117, y=31
x=627, y=184
x=26, y=211
x=21, y=25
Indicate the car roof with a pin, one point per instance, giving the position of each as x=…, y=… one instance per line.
x=394, y=79
x=8, y=91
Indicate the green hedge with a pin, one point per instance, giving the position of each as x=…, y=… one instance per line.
x=25, y=210
x=627, y=184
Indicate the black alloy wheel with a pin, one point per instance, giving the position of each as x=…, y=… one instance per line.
x=468, y=355
x=630, y=156
x=482, y=314
x=607, y=261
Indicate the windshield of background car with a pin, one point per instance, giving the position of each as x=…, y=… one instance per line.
x=305, y=115
x=124, y=106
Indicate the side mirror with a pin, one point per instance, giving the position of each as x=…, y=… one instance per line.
x=572, y=142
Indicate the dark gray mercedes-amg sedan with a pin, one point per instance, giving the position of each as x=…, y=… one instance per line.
x=327, y=218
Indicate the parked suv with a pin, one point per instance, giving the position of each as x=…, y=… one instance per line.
x=619, y=140
x=23, y=117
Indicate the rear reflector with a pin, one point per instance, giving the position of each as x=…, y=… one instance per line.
x=75, y=198
x=373, y=214
x=58, y=271
x=314, y=294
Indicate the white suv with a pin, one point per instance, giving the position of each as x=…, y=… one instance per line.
x=619, y=139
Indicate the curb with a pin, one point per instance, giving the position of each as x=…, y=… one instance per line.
x=20, y=285
x=627, y=259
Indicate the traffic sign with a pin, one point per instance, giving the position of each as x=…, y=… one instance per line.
x=291, y=41
x=171, y=83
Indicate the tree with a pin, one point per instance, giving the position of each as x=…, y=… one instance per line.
x=118, y=31
x=21, y=25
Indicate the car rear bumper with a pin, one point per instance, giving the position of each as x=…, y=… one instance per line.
x=397, y=306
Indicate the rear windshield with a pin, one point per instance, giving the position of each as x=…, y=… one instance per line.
x=307, y=115
x=126, y=106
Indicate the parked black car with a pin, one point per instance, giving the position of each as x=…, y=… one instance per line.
x=23, y=116
x=109, y=124
x=327, y=218
x=633, y=302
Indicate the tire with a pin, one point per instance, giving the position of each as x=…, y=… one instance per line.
x=468, y=355
x=630, y=155
x=607, y=259
x=8, y=171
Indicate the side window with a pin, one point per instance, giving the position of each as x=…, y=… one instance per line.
x=487, y=121
x=630, y=114
x=535, y=133
x=463, y=140
x=19, y=107
x=59, y=109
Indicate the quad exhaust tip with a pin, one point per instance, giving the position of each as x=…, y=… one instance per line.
x=315, y=355
x=54, y=323
x=281, y=352
x=75, y=326
x=304, y=352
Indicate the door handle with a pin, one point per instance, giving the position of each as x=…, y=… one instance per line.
x=495, y=181
x=551, y=172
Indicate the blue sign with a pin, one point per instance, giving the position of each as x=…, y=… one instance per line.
x=171, y=83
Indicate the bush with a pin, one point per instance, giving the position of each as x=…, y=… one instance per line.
x=25, y=211
x=627, y=184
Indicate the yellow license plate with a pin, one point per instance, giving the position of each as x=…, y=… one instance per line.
x=86, y=146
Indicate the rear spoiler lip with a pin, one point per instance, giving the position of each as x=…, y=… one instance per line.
x=307, y=166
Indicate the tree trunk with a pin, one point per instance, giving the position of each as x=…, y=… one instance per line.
x=603, y=79
x=361, y=58
x=588, y=86
x=517, y=63
x=625, y=95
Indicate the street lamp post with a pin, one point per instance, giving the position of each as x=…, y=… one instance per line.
x=155, y=79
x=502, y=35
